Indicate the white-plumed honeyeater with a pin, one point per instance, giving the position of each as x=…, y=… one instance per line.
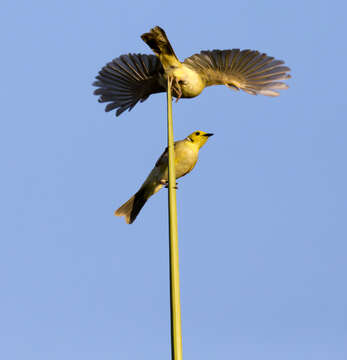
x=131, y=78
x=186, y=156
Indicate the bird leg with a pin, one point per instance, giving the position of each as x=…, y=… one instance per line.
x=178, y=89
x=175, y=85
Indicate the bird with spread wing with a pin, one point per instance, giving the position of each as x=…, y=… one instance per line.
x=131, y=78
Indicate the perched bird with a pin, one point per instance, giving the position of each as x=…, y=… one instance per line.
x=131, y=78
x=186, y=156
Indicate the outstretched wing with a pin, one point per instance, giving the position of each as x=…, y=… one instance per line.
x=249, y=70
x=128, y=79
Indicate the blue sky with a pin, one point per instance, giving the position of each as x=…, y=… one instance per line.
x=262, y=218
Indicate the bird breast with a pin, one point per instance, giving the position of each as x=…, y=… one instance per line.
x=190, y=81
x=186, y=157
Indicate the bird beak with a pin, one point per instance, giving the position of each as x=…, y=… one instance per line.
x=208, y=134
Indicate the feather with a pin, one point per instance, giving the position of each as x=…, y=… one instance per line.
x=128, y=79
x=249, y=70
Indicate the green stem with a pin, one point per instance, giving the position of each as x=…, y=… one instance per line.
x=176, y=331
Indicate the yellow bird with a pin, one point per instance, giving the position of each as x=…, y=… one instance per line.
x=131, y=78
x=186, y=156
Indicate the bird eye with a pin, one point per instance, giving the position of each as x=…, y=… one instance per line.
x=197, y=133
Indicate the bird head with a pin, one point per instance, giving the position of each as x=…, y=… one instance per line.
x=198, y=137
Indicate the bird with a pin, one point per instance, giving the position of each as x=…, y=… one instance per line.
x=132, y=78
x=186, y=156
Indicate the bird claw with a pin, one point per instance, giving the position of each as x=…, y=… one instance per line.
x=166, y=184
x=174, y=85
x=178, y=90
x=175, y=187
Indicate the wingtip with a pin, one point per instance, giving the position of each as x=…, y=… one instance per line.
x=270, y=93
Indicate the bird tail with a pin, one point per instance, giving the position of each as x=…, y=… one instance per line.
x=157, y=40
x=133, y=206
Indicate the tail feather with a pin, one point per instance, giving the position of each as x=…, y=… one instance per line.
x=157, y=40
x=132, y=207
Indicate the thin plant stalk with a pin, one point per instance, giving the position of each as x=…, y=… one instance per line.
x=175, y=305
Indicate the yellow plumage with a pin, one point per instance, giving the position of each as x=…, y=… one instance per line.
x=186, y=156
x=132, y=78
